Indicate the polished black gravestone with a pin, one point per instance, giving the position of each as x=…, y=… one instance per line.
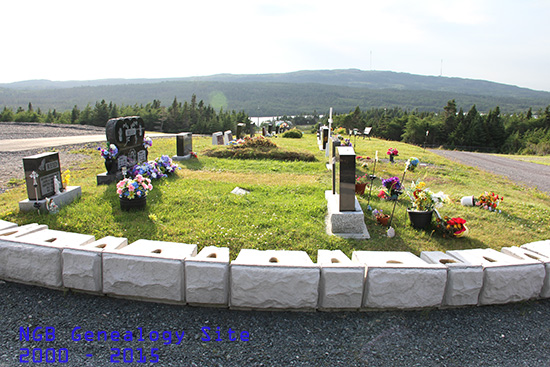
x=127, y=134
x=346, y=189
x=270, y=129
x=40, y=171
x=323, y=137
x=240, y=130
x=184, y=146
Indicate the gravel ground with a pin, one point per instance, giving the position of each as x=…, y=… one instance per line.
x=509, y=335
x=11, y=163
x=529, y=174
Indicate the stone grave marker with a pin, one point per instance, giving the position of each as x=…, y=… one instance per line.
x=324, y=137
x=346, y=189
x=43, y=179
x=264, y=133
x=217, y=138
x=184, y=146
x=270, y=129
x=227, y=137
x=40, y=171
x=240, y=130
x=126, y=133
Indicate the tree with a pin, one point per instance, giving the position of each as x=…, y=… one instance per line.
x=75, y=114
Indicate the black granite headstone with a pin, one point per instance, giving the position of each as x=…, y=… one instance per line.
x=270, y=129
x=127, y=134
x=46, y=167
x=184, y=144
x=324, y=136
x=346, y=158
x=240, y=130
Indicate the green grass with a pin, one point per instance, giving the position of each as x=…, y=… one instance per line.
x=286, y=207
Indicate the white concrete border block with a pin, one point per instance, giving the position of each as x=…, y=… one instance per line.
x=82, y=265
x=464, y=281
x=6, y=225
x=342, y=281
x=35, y=258
x=274, y=279
x=149, y=270
x=506, y=278
x=207, y=277
x=540, y=247
x=527, y=255
x=401, y=280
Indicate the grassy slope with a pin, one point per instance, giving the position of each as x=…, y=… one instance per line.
x=286, y=207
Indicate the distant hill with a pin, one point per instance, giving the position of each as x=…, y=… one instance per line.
x=278, y=94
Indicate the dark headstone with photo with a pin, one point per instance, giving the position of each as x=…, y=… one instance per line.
x=127, y=134
x=41, y=170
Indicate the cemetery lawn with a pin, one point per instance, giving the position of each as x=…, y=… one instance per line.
x=286, y=206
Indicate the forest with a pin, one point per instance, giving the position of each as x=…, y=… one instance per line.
x=521, y=133
x=452, y=128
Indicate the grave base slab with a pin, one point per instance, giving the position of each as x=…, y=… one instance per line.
x=62, y=199
x=348, y=224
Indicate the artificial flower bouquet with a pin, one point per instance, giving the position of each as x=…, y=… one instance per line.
x=452, y=227
x=165, y=165
x=423, y=199
x=392, y=152
x=392, y=188
x=488, y=201
x=108, y=153
x=134, y=188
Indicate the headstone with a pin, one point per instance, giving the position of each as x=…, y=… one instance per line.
x=240, y=130
x=346, y=158
x=217, y=138
x=270, y=129
x=40, y=173
x=252, y=130
x=263, y=131
x=277, y=129
x=184, y=143
x=126, y=133
x=227, y=137
x=184, y=146
x=334, y=142
x=324, y=137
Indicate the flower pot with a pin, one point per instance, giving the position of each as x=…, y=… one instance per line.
x=383, y=220
x=467, y=201
x=391, y=158
x=420, y=219
x=360, y=188
x=110, y=165
x=133, y=204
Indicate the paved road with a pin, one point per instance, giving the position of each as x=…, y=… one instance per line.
x=530, y=174
x=14, y=145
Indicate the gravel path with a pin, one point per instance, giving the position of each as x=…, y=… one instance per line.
x=11, y=163
x=510, y=335
x=529, y=174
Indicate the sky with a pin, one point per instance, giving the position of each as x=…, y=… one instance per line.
x=505, y=41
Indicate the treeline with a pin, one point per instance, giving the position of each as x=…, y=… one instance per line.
x=526, y=133
x=193, y=116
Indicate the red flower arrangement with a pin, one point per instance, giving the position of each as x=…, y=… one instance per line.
x=452, y=227
x=392, y=151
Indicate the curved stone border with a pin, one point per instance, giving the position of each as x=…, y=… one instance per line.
x=264, y=280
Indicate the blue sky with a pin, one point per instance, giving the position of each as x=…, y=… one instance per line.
x=498, y=40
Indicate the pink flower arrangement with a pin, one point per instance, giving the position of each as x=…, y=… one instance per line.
x=137, y=187
x=393, y=152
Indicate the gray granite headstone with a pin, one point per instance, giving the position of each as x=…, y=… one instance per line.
x=184, y=144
